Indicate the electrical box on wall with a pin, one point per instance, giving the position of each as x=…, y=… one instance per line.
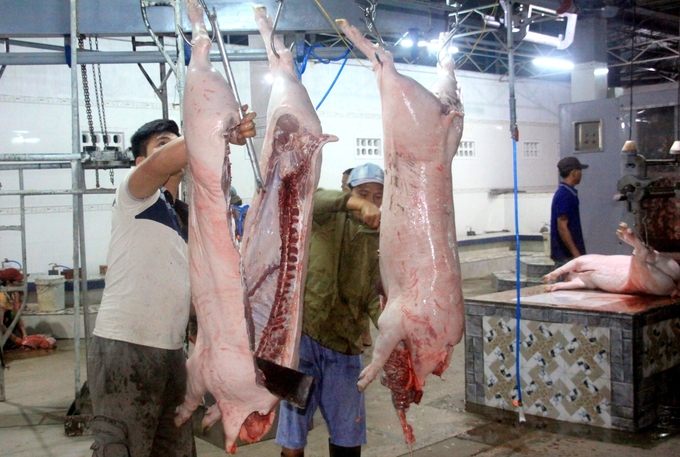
x=588, y=136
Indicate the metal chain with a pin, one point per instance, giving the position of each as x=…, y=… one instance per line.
x=102, y=109
x=88, y=103
x=86, y=92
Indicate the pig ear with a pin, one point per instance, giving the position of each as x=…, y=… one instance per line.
x=326, y=138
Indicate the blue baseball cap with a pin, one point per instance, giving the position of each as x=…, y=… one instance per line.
x=368, y=172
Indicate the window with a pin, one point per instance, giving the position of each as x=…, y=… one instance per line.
x=368, y=148
x=466, y=150
x=531, y=150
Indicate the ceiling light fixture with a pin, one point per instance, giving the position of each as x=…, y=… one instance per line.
x=556, y=64
x=601, y=71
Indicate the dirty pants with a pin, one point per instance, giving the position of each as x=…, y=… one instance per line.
x=135, y=390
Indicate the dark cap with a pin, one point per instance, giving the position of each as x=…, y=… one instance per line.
x=570, y=163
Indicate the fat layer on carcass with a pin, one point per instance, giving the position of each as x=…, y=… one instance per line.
x=276, y=236
x=645, y=272
x=222, y=362
x=423, y=315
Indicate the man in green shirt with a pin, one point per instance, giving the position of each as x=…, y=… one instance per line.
x=340, y=292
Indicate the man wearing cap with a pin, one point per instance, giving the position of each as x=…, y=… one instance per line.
x=340, y=292
x=566, y=237
x=345, y=178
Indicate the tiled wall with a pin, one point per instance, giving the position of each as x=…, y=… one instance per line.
x=608, y=369
x=660, y=346
x=564, y=368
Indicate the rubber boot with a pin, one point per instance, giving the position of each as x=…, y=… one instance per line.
x=339, y=451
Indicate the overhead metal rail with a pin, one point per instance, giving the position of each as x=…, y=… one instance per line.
x=121, y=18
x=135, y=57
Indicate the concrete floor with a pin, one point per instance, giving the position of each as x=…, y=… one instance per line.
x=39, y=391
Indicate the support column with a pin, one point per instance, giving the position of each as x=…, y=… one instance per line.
x=589, y=76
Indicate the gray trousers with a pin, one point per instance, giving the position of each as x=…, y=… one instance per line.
x=135, y=390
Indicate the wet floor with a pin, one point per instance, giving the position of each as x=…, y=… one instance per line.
x=40, y=390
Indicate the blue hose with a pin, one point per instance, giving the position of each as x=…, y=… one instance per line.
x=518, y=310
x=332, y=84
x=14, y=261
x=309, y=51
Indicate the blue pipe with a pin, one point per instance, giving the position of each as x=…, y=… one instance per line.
x=332, y=84
x=518, y=310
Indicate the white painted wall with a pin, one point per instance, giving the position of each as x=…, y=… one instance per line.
x=35, y=117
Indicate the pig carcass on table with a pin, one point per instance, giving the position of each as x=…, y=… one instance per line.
x=422, y=318
x=645, y=272
x=222, y=362
x=276, y=237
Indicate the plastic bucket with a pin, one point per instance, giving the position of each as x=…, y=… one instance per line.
x=50, y=290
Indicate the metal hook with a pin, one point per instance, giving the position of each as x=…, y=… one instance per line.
x=369, y=14
x=213, y=36
x=250, y=147
x=448, y=39
x=276, y=21
x=143, y=5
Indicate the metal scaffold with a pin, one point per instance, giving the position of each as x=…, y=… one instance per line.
x=79, y=159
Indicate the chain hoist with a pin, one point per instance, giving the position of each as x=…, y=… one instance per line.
x=88, y=109
x=99, y=96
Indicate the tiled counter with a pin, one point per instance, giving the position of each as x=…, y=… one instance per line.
x=586, y=356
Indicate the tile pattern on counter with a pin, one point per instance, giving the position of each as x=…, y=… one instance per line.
x=660, y=346
x=564, y=368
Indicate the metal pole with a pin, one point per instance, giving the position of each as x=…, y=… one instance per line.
x=57, y=192
x=179, y=65
x=75, y=140
x=232, y=82
x=79, y=172
x=53, y=157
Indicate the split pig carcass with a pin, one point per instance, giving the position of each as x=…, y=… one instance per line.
x=645, y=272
x=222, y=362
x=422, y=319
x=277, y=230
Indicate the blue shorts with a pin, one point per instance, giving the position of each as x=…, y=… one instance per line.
x=335, y=391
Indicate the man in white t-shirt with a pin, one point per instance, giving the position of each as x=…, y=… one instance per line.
x=136, y=362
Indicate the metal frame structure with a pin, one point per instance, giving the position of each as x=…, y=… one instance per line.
x=481, y=35
x=484, y=44
x=77, y=161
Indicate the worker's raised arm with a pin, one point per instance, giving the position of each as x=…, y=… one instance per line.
x=167, y=158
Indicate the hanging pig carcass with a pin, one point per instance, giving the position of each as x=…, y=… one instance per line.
x=222, y=362
x=422, y=319
x=645, y=272
x=277, y=230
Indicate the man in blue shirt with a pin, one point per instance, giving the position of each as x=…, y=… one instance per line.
x=566, y=237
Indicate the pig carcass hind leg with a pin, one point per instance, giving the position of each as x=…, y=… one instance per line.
x=649, y=255
x=627, y=236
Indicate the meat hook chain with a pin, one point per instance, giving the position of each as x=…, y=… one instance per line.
x=369, y=14
x=88, y=109
x=101, y=109
x=276, y=21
